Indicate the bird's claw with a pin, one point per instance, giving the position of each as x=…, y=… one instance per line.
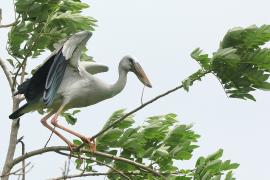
x=91, y=142
x=71, y=147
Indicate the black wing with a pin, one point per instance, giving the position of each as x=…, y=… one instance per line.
x=46, y=80
x=54, y=77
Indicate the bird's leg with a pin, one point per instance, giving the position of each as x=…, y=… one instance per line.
x=87, y=140
x=45, y=123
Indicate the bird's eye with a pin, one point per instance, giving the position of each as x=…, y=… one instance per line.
x=131, y=60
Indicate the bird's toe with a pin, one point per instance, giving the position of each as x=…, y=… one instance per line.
x=90, y=142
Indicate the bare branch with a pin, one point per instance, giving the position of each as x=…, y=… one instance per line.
x=23, y=152
x=84, y=175
x=50, y=137
x=97, y=153
x=12, y=143
x=99, y=162
x=9, y=25
x=142, y=95
x=145, y=104
x=105, y=174
x=16, y=172
x=0, y=15
x=7, y=72
x=16, y=20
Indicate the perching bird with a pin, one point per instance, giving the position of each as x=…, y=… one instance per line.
x=64, y=82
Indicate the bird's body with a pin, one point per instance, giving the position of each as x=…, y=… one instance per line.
x=77, y=89
x=64, y=82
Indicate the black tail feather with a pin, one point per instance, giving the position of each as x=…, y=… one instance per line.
x=18, y=113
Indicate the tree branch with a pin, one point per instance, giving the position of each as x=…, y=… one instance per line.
x=14, y=127
x=99, y=162
x=7, y=72
x=107, y=174
x=9, y=25
x=17, y=171
x=147, y=103
x=97, y=153
x=23, y=152
x=85, y=175
x=16, y=20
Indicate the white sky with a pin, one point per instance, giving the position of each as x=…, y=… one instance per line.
x=162, y=34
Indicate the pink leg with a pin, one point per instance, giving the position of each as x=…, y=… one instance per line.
x=44, y=122
x=85, y=139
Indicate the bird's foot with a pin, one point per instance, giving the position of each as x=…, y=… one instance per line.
x=91, y=142
x=71, y=147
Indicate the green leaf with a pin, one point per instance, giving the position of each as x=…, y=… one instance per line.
x=69, y=118
x=89, y=168
x=11, y=62
x=76, y=111
x=224, y=52
x=233, y=166
x=202, y=59
x=77, y=142
x=246, y=38
x=70, y=5
x=162, y=151
x=127, y=122
x=75, y=21
x=78, y=163
x=111, y=135
x=263, y=86
x=229, y=176
x=216, y=155
x=186, y=83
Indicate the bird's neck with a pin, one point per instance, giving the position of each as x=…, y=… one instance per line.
x=120, y=83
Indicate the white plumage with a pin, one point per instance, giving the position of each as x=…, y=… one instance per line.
x=64, y=82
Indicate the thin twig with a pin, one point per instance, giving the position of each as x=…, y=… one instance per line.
x=143, y=105
x=66, y=168
x=7, y=72
x=16, y=20
x=99, y=162
x=16, y=171
x=0, y=15
x=109, y=173
x=50, y=137
x=142, y=95
x=14, y=126
x=23, y=152
x=97, y=153
x=85, y=175
x=9, y=25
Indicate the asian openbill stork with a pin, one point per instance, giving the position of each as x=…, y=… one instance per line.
x=64, y=82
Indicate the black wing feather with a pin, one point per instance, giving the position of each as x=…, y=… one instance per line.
x=54, y=77
x=35, y=86
x=46, y=80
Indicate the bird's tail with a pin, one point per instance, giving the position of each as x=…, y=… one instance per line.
x=18, y=113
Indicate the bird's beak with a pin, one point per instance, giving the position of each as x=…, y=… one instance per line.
x=138, y=70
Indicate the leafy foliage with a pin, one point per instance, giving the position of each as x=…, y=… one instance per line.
x=211, y=167
x=43, y=23
x=194, y=77
x=159, y=143
x=240, y=63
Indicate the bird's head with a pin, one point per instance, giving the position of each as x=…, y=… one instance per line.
x=129, y=64
x=75, y=43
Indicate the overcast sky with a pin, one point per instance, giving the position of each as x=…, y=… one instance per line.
x=161, y=34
